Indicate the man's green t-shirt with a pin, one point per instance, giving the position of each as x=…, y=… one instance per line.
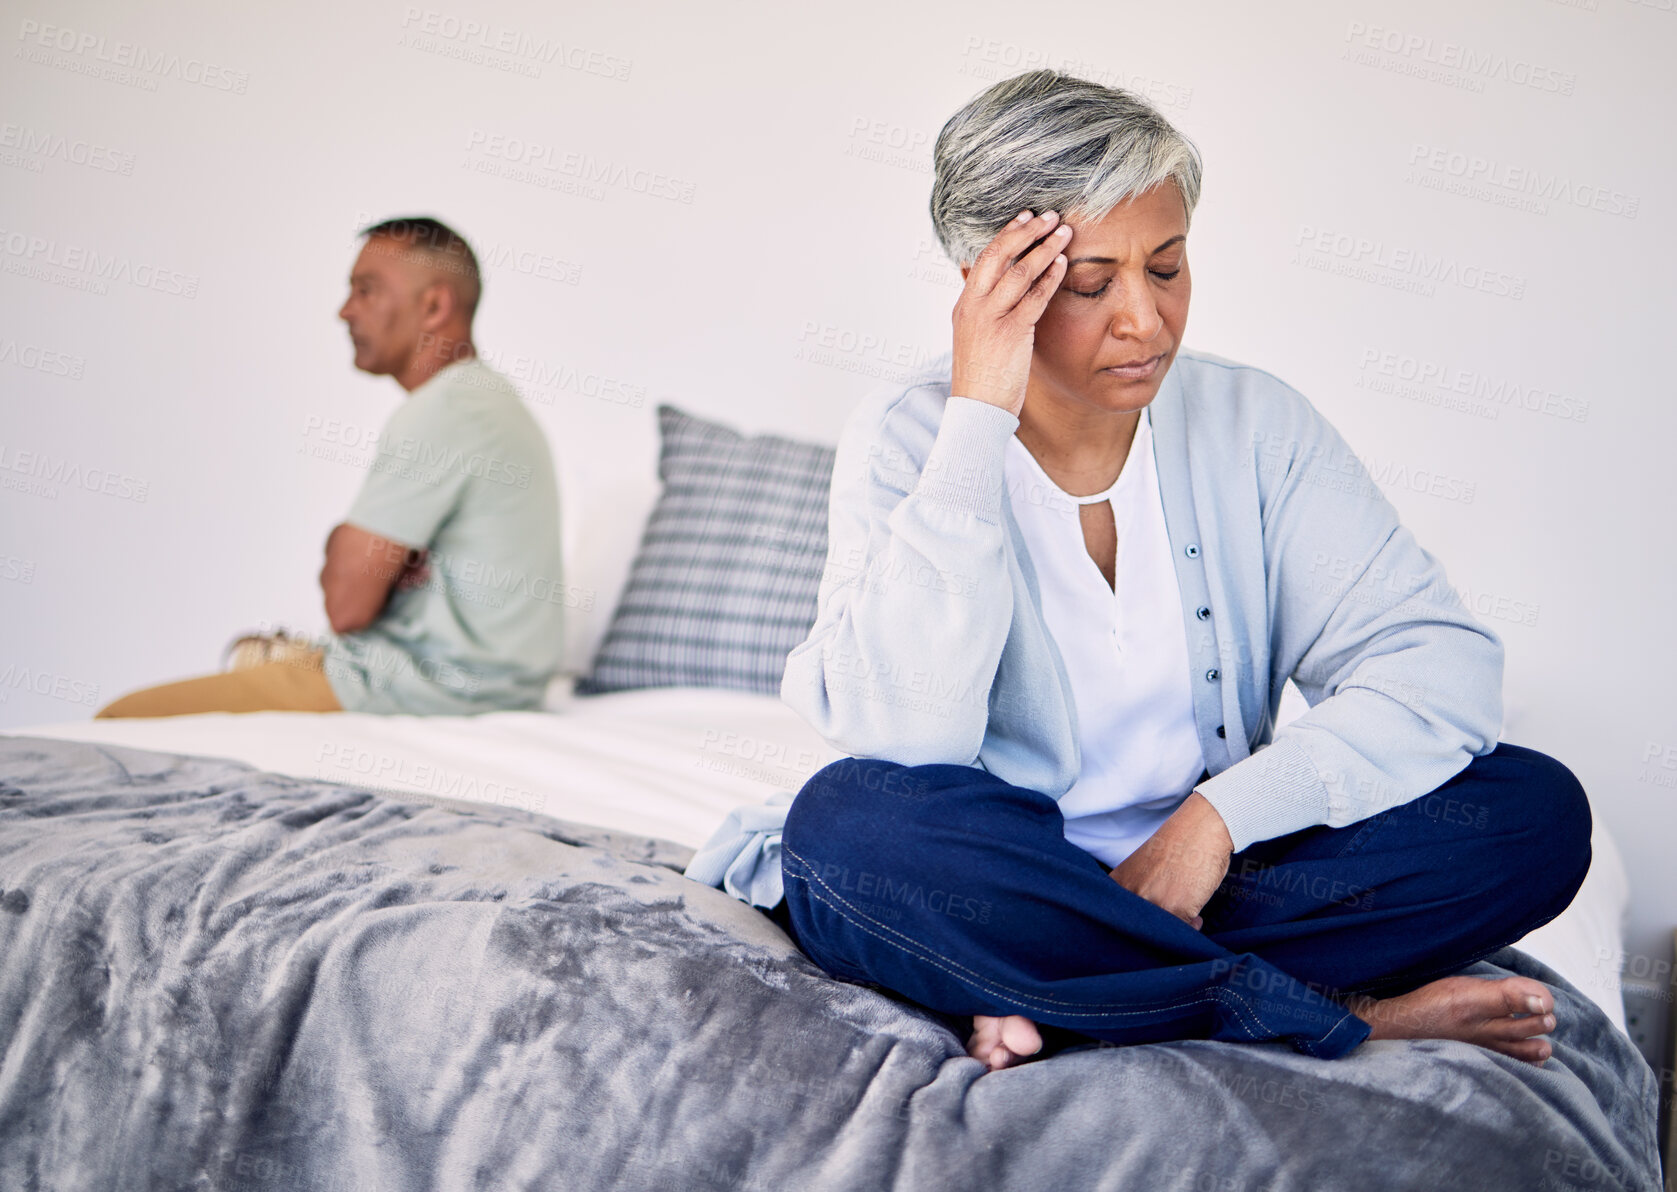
x=463, y=471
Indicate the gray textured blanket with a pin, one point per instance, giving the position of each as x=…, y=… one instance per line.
x=212, y=977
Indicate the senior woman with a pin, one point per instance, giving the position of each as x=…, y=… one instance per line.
x=1067, y=582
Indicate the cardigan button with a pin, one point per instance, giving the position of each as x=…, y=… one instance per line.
x=1202, y=612
x=1192, y=550
x=1221, y=731
x=1213, y=674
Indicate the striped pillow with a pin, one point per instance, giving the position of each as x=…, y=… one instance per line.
x=729, y=568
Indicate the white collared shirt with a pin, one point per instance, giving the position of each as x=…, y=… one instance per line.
x=1124, y=647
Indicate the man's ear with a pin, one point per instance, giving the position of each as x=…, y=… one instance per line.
x=436, y=304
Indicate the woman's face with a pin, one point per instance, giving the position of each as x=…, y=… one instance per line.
x=1123, y=301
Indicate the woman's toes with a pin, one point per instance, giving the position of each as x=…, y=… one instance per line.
x=1020, y=1036
x=986, y=1036
x=1510, y=1029
x=999, y=1043
x=1522, y=995
x=1533, y=1051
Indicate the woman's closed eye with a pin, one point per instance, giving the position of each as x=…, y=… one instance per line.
x=1106, y=284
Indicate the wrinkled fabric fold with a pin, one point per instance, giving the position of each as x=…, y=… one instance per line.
x=743, y=855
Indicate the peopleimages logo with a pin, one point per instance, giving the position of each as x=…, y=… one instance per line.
x=52, y=260
x=521, y=160
x=488, y=37
x=903, y=892
x=45, y=683
x=1473, y=175
x=989, y=59
x=39, y=474
x=42, y=360
x=1398, y=265
x=40, y=144
x=404, y=776
x=1450, y=61
x=1406, y=375
x=127, y=56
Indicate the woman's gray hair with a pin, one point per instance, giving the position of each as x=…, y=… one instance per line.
x=1044, y=141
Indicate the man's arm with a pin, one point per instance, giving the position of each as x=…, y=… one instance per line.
x=360, y=572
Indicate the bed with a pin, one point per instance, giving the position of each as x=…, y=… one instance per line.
x=288, y=950
x=670, y=763
x=344, y=952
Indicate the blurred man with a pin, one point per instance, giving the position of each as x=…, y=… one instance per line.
x=442, y=584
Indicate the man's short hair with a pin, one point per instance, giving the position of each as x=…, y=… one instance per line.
x=441, y=247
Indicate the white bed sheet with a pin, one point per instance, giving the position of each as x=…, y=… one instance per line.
x=666, y=762
x=669, y=762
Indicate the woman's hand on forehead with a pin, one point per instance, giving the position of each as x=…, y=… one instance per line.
x=1007, y=289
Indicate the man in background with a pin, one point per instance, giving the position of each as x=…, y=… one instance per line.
x=442, y=584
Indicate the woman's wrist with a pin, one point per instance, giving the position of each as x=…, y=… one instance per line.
x=988, y=386
x=964, y=468
x=1206, y=822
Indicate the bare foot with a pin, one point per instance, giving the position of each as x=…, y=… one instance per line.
x=1000, y=1042
x=1506, y=1015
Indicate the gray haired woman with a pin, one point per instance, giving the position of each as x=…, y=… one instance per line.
x=1069, y=578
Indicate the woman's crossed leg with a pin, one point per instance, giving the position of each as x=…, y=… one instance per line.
x=959, y=891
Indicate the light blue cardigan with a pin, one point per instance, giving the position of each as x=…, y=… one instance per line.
x=930, y=646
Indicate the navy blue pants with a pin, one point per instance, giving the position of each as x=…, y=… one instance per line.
x=959, y=891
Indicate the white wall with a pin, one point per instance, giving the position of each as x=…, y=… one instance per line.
x=787, y=156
